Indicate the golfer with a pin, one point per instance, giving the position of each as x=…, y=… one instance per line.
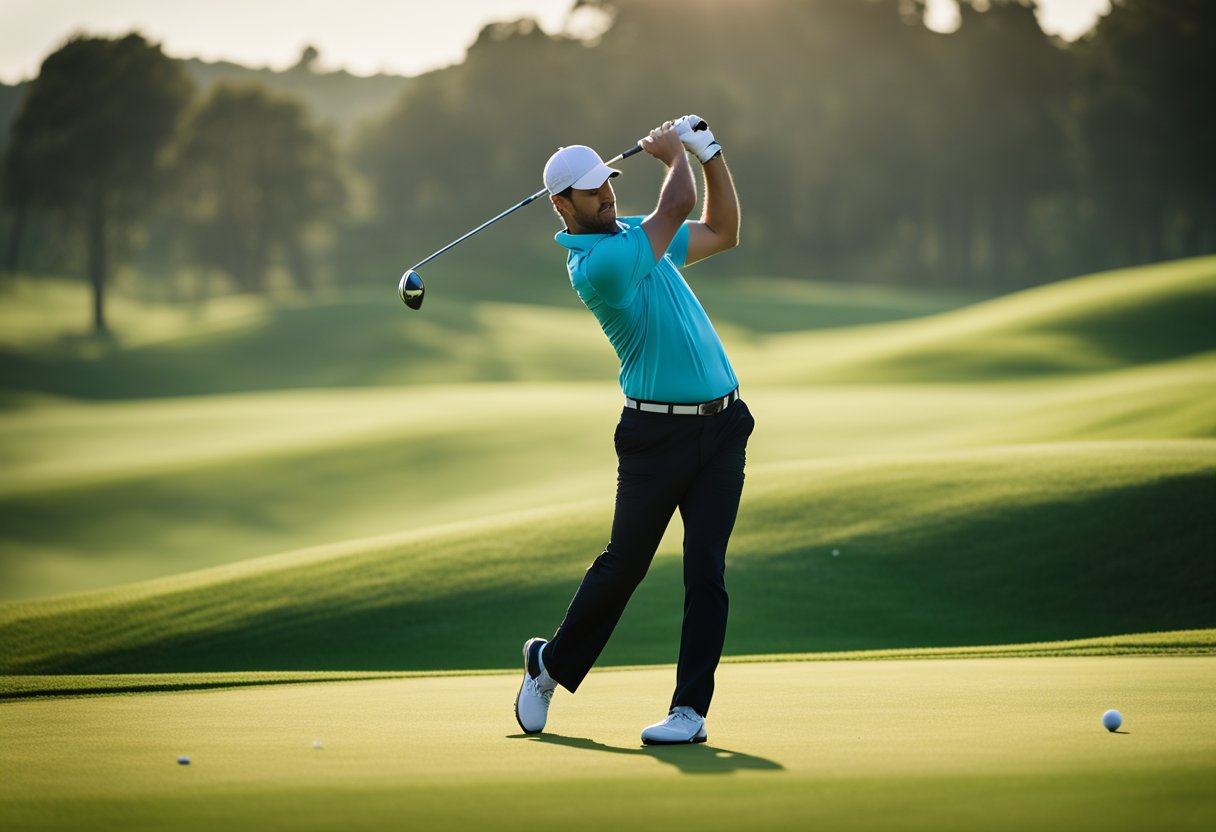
x=683, y=432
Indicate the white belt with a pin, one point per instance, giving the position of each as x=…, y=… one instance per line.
x=699, y=409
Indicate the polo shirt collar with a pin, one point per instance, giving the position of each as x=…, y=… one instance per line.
x=584, y=242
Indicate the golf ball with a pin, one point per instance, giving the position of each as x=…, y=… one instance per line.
x=183, y=761
x=1111, y=720
x=316, y=744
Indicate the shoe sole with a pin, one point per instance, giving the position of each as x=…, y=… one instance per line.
x=527, y=644
x=692, y=741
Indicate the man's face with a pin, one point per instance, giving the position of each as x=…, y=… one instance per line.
x=594, y=210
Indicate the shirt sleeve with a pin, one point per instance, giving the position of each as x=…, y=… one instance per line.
x=678, y=249
x=618, y=263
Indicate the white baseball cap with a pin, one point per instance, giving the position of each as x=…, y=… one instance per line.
x=576, y=166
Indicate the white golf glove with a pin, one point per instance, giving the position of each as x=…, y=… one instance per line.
x=700, y=143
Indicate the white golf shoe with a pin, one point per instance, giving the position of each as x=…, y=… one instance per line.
x=532, y=701
x=683, y=725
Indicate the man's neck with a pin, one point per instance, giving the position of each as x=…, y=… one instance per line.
x=582, y=230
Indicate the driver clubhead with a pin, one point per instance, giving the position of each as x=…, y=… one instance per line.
x=412, y=289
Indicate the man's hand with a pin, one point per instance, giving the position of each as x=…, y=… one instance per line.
x=664, y=144
x=700, y=143
x=687, y=124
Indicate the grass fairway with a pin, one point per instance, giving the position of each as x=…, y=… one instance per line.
x=392, y=423
x=361, y=338
x=930, y=744
x=229, y=536
x=1088, y=324
x=99, y=494
x=1026, y=543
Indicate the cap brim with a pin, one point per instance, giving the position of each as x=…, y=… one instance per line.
x=595, y=177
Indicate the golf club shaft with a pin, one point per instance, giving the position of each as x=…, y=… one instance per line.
x=637, y=148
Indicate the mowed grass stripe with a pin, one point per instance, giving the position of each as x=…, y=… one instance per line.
x=1173, y=643
x=1094, y=323
x=359, y=337
x=1006, y=545
x=105, y=493
x=1135, y=317
x=888, y=744
x=1087, y=324
x=62, y=444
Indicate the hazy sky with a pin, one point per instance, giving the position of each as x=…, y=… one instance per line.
x=364, y=36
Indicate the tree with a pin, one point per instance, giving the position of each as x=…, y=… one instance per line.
x=863, y=144
x=1149, y=128
x=308, y=59
x=258, y=174
x=90, y=134
x=19, y=191
x=1003, y=88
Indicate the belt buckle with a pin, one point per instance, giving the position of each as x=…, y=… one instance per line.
x=710, y=408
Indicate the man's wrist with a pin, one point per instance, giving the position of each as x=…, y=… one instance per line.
x=675, y=160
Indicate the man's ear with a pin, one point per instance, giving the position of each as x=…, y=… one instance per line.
x=561, y=205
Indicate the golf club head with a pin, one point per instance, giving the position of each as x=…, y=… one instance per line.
x=412, y=289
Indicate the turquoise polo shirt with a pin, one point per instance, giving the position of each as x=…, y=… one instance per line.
x=668, y=349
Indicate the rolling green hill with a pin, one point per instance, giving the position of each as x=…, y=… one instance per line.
x=351, y=524
x=359, y=338
x=96, y=494
x=1028, y=543
x=778, y=332
x=1089, y=324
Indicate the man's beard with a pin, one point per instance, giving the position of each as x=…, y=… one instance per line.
x=597, y=223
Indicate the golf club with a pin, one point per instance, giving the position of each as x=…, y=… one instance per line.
x=413, y=290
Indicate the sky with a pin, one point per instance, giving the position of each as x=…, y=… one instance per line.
x=402, y=37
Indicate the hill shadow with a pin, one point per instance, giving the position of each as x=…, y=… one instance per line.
x=689, y=759
x=370, y=336
x=1132, y=558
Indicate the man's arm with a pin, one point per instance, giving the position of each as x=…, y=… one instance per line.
x=718, y=229
x=679, y=192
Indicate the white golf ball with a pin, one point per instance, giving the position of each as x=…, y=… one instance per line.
x=1111, y=720
x=316, y=744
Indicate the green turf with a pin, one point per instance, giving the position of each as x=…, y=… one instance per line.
x=358, y=338
x=927, y=744
x=1090, y=324
x=1026, y=543
x=1172, y=643
x=98, y=494
x=104, y=494
x=377, y=493
x=775, y=329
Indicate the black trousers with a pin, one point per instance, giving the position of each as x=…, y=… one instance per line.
x=695, y=464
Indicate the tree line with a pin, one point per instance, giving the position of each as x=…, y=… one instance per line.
x=865, y=146
x=109, y=139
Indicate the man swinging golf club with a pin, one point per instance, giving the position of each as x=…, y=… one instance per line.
x=683, y=432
